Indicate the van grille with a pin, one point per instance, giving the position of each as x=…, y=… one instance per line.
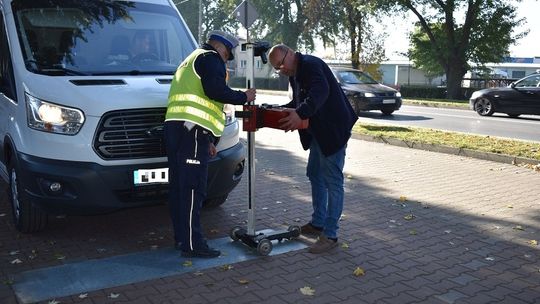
x=129, y=134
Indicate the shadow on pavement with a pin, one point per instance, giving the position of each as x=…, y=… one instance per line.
x=438, y=244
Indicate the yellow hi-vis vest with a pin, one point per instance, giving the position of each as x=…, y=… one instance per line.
x=188, y=102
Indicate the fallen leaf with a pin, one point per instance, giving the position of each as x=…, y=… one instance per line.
x=490, y=259
x=113, y=295
x=16, y=261
x=412, y=232
x=402, y=198
x=509, y=206
x=58, y=256
x=344, y=245
x=279, y=202
x=187, y=263
x=518, y=227
x=198, y=273
x=307, y=291
x=264, y=208
x=243, y=282
x=359, y=272
x=409, y=217
x=226, y=267
x=533, y=242
x=447, y=231
x=83, y=296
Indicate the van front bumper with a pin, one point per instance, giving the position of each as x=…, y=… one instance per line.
x=90, y=188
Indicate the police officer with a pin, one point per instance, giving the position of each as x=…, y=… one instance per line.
x=193, y=124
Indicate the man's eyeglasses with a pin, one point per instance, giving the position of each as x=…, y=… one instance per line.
x=282, y=60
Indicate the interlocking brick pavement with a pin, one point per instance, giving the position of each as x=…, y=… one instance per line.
x=426, y=228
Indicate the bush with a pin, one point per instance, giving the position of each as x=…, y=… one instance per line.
x=430, y=92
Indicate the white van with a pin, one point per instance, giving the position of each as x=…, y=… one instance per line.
x=83, y=94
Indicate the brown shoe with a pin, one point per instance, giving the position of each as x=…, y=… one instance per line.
x=310, y=230
x=323, y=244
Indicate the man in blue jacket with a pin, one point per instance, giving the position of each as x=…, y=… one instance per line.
x=317, y=96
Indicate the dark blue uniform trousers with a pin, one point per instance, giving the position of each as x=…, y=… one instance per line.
x=188, y=156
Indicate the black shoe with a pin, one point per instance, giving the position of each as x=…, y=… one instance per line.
x=178, y=246
x=202, y=253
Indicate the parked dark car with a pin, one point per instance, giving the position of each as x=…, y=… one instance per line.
x=520, y=97
x=365, y=94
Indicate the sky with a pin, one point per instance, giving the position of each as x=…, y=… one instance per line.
x=527, y=47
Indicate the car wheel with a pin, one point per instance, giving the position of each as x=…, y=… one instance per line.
x=483, y=107
x=513, y=115
x=215, y=202
x=26, y=217
x=387, y=112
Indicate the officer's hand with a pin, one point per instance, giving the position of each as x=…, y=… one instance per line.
x=290, y=122
x=250, y=94
x=212, y=150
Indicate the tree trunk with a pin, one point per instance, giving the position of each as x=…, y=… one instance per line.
x=454, y=76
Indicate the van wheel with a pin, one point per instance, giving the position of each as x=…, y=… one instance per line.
x=26, y=217
x=215, y=202
x=387, y=112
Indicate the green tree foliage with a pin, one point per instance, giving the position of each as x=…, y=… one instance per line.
x=455, y=32
x=215, y=15
x=349, y=22
x=283, y=21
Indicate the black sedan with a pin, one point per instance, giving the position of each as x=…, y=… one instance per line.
x=520, y=97
x=365, y=94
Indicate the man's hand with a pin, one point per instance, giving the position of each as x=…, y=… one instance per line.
x=291, y=122
x=250, y=94
x=212, y=150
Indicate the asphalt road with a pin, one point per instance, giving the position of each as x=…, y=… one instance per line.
x=526, y=127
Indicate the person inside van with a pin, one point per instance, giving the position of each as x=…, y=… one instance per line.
x=141, y=47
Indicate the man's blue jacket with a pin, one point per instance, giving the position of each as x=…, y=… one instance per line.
x=317, y=96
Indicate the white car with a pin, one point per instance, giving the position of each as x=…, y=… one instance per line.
x=81, y=113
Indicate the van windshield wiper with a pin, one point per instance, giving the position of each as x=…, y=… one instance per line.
x=134, y=73
x=37, y=67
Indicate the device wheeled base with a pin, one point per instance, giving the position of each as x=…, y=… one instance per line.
x=261, y=241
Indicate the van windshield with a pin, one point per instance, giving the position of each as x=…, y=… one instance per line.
x=80, y=37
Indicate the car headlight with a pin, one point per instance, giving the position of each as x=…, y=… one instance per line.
x=398, y=94
x=230, y=117
x=368, y=94
x=53, y=118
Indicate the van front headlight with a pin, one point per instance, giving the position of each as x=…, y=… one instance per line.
x=53, y=118
x=230, y=116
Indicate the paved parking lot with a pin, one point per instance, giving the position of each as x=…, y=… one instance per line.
x=424, y=227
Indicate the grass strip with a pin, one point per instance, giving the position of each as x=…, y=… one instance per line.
x=482, y=143
x=442, y=103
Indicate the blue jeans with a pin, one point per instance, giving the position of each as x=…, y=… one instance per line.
x=326, y=176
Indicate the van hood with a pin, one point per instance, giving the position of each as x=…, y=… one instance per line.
x=97, y=95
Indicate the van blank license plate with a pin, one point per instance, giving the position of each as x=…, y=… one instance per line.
x=148, y=176
x=389, y=101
